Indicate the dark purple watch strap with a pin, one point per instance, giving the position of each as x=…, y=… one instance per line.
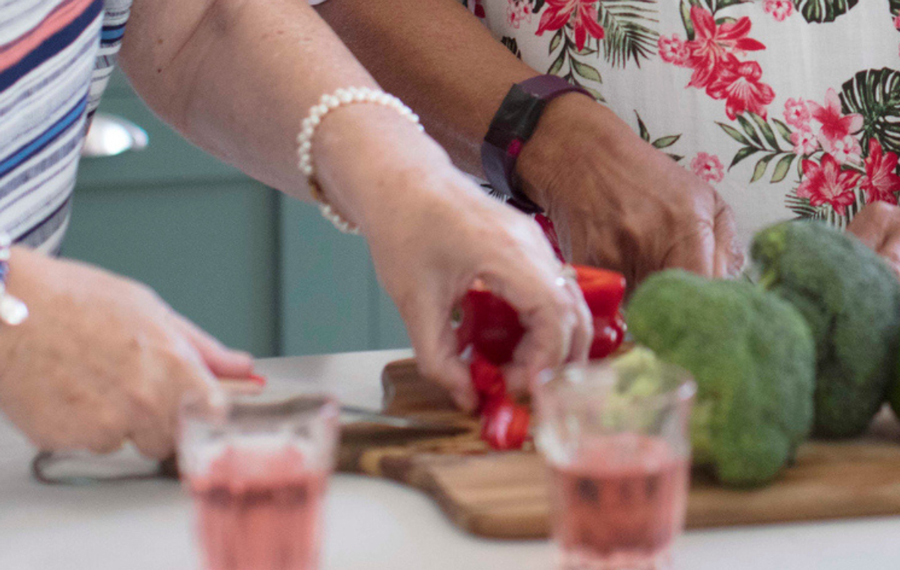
x=512, y=126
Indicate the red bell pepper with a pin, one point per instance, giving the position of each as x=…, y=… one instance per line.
x=492, y=328
x=504, y=425
x=488, y=381
x=490, y=325
x=603, y=289
x=608, y=336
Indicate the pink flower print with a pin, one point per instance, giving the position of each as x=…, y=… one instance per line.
x=714, y=43
x=673, y=50
x=881, y=181
x=827, y=183
x=739, y=84
x=708, y=167
x=897, y=21
x=846, y=150
x=805, y=142
x=582, y=13
x=834, y=125
x=796, y=113
x=518, y=11
x=779, y=9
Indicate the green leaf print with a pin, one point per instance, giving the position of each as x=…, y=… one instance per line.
x=586, y=71
x=538, y=4
x=665, y=142
x=782, y=168
x=760, y=168
x=686, y=17
x=557, y=39
x=895, y=7
x=823, y=10
x=784, y=131
x=742, y=154
x=557, y=63
x=628, y=32
x=748, y=128
x=766, y=130
x=875, y=94
x=734, y=133
x=642, y=128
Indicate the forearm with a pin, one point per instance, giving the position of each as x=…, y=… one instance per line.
x=236, y=77
x=438, y=58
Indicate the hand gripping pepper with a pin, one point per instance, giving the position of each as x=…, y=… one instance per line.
x=492, y=328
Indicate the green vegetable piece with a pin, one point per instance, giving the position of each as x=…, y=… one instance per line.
x=752, y=357
x=851, y=300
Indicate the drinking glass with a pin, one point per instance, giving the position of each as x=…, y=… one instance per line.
x=616, y=440
x=257, y=470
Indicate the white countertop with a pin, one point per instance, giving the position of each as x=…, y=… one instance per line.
x=370, y=524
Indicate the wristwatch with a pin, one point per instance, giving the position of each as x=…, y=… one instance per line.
x=511, y=127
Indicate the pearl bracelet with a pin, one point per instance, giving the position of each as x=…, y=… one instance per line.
x=327, y=104
x=12, y=310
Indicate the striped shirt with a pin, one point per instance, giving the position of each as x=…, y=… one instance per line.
x=56, y=57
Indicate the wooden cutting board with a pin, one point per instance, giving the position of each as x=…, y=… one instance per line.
x=504, y=495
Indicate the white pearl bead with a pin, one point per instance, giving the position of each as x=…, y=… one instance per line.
x=327, y=103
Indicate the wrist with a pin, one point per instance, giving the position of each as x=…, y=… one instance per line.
x=20, y=284
x=571, y=127
x=369, y=158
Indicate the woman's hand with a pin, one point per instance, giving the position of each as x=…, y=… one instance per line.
x=433, y=233
x=619, y=203
x=878, y=226
x=101, y=360
x=434, y=251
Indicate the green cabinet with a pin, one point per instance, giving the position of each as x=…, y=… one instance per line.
x=330, y=298
x=260, y=271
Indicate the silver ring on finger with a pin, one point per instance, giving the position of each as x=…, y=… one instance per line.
x=567, y=276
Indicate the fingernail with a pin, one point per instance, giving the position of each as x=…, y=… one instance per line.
x=257, y=379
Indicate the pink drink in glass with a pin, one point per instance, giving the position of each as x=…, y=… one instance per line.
x=620, y=504
x=257, y=469
x=615, y=437
x=259, y=511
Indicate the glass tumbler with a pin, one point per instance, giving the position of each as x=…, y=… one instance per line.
x=616, y=440
x=257, y=470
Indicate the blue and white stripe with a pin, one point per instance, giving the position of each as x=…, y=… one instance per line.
x=46, y=99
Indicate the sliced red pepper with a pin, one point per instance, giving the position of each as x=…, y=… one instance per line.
x=504, y=425
x=488, y=381
x=603, y=289
x=490, y=325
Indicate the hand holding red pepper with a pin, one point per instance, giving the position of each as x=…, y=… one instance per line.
x=491, y=327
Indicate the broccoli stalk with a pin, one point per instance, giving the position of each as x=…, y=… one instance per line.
x=850, y=299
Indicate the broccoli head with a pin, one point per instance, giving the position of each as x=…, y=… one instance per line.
x=752, y=356
x=851, y=300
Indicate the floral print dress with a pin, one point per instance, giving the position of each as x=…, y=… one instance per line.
x=791, y=108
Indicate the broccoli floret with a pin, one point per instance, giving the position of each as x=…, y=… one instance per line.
x=851, y=300
x=752, y=356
